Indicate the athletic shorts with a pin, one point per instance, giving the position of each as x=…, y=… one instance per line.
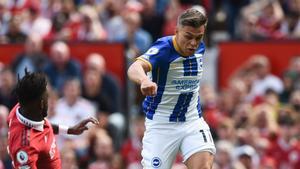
x=162, y=142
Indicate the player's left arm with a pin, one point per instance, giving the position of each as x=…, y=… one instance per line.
x=77, y=129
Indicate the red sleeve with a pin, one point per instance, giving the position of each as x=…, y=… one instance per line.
x=25, y=157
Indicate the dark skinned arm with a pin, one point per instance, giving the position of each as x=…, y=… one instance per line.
x=77, y=129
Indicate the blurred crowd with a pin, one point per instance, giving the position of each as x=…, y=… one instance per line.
x=255, y=120
x=143, y=21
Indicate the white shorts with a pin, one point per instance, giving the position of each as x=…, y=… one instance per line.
x=162, y=142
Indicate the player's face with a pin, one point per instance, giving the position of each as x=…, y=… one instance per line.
x=188, y=39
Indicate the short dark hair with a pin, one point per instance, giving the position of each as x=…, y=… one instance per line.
x=31, y=87
x=192, y=17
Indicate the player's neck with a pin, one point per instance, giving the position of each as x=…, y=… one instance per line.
x=30, y=114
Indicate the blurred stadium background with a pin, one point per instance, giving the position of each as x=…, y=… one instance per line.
x=250, y=92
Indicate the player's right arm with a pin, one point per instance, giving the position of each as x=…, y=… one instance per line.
x=137, y=73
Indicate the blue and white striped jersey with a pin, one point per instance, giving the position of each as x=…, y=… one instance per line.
x=178, y=81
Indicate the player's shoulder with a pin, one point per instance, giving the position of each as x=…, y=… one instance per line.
x=164, y=42
x=165, y=39
x=160, y=45
x=12, y=113
x=14, y=125
x=19, y=135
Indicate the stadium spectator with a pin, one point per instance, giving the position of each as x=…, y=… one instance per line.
x=226, y=130
x=210, y=107
x=102, y=151
x=71, y=108
x=52, y=102
x=132, y=147
x=264, y=120
x=100, y=85
x=262, y=20
x=14, y=33
x=264, y=79
x=151, y=15
x=91, y=28
x=226, y=103
x=62, y=66
x=5, y=161
x=291, y=23
x=290, y=26
x=103, y=90
x=137, y=39
x=245, y=157
x=111, y=16
x=68, y=158
x=35, y=23
x=49, y=8
x=242, y=115
x=7, y=85
x=1, y=66
x=291, y=79
x=267, y=163
x=284, y=148
x=3, y=116
x=294, y=101
x=4, y=20
x=65, y=19
x=92, y=90
x=224, y=157
x=33, y=57
x=237, y=88
x=232, y=9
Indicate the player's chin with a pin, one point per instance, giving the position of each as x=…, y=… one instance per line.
x=189, y=52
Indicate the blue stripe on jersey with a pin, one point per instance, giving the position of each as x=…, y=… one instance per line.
x=190, y=66
x=181, y=107
x=201, y=48
x=199, y=108
x=150, y=104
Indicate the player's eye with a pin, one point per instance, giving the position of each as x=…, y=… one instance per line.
x=198, y=38
x=188, y=37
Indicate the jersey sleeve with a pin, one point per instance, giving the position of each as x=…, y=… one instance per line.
x=156, y=54
x=25, y=157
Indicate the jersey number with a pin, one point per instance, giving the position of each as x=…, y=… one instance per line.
x=204, y=136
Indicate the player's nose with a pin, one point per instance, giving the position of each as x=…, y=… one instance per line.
x=193, y=43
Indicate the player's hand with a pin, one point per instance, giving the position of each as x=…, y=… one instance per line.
x=148, y=88
x=82, y=126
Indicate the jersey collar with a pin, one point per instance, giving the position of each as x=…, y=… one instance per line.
x=37, y=125
x=175, y=44
x=177, y=48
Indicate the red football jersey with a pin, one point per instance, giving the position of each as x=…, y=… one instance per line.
x=31, y=147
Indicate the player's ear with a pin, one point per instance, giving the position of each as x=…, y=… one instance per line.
x=176, y=31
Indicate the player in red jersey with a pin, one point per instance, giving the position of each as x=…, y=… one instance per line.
x=31, y=140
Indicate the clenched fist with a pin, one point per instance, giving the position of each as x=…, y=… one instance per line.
x=148, y=88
